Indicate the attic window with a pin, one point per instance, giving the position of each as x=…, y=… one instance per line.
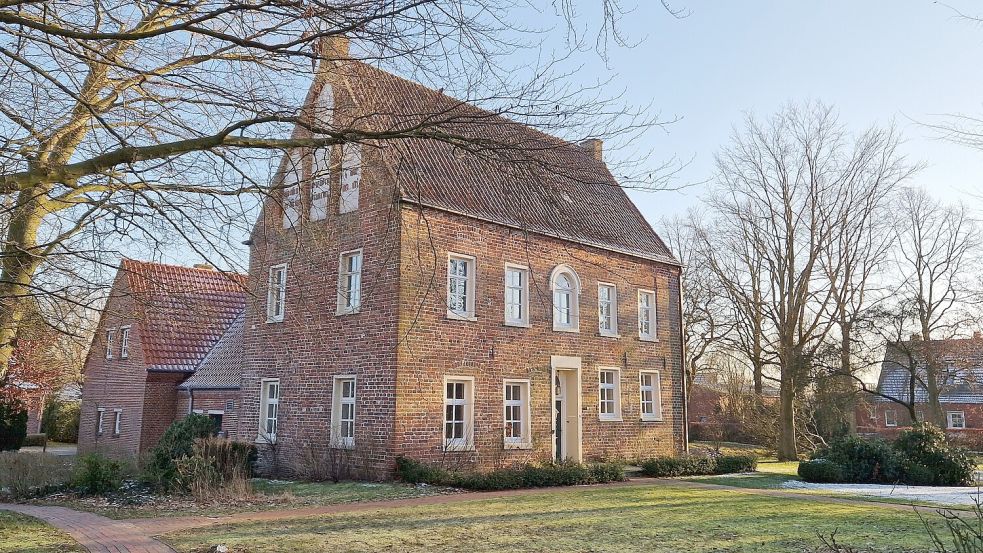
x=124, y=342
x=110, y=340
x=351, y=177
x=321, y=177
x=291, y=190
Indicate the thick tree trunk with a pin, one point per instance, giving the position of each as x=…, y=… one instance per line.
x=847, y=386
x=787, y=449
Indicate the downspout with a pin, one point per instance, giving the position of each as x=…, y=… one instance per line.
x=682, y=358
x=191, y=400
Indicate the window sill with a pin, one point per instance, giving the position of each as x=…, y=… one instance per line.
x=266, y=440
x=566, y=329
x=610, y=335
x=342, y=312
x=458, y=448
x=518, y=446
x=459, y=317
x=648, y=339
x=342, y=446
x=652, y=419
x=610, y=419
x=515, y=324
x=273, y=321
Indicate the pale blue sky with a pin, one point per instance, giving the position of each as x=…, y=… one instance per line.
x=875, y=60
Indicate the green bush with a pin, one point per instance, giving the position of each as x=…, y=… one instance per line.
x=693, y=465
x=821, y=471
x=61, y=421
x=13, y=423
x=729, y=464
x=523, y=476
x=216, y=465
x=24, y=475
x=35, y=440
x=925, y=449
x=178, y=441
x=96, y=474
x=861, y=460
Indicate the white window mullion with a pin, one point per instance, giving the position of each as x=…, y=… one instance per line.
x=460, y=287
x=350, y=282
x=607, y=309
x=650, y=388
x=276, y=294
x=516, y=295
x=269, y=409
x=646, y=315
x=343, y=412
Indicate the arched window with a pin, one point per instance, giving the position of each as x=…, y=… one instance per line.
x=566, y=299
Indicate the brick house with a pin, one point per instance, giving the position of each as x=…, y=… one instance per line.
x=157, y=328
x=961, y=395
x=409, y=297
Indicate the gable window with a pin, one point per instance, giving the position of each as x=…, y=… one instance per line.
x=609, y=394
x=343, y=412
x=460, y=286
x=566, y=299
x=276, y=294
x=124, y=342
x=516, y=295
x=458, y=414
x=117, y=420
x=269, y=408
x=607, y=309
x=650, y=387
x=100, y=417
x=351, y=177
x=110, y=341
x=321, y=175
x=956, y=420
x=890, y=417
x=291, y=190
x=350, y=282
x=517, y=416
x=646, y=315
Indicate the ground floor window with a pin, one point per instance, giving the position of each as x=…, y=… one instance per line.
x=609, y=394
x=269, y=409
x=956, y=420
x=650, y=387
x=343, y=412
x=458, y=413
x=516, y=397
x=890, y=417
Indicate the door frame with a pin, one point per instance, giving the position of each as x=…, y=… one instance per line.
x=568, y=368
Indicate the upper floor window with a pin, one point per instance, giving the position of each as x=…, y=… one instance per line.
x=269, y=409
x=650, y=387
x=276, y=294
x=609, y=394
x=100, y=419
x=117, y=421
x=110, y=342
x=516, y=295
x=291, y=190
x=351, y=177
x=124, y=342
x=350, y=282
x=566, y=299
x=607, y=309
x=458, y=413
x=646, y=315
x=343, y=412
x=460, y=286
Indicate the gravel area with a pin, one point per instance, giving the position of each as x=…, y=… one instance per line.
x=942, y=495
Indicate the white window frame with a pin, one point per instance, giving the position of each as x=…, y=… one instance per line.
x=110, y=342
x=656, y=390
x=524, y=441
x=948, y=420
x=321, y=169
x=574, y=308
x=124, y=342
x=100, y=420
x=337, y=401
x=351, y=177
x=652, y=334
x=615, y=386
x=612, y=306
x=117, y=421
x=349, y=303
x=523, y=291
x=276, y=296
x=471, y=280
x=465, y=442
x=264, y=402
x=290, y=194
x=887, y=421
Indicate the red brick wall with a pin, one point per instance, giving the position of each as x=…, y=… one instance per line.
x=433, y=346
x=212, y=400
x=870, y=420
x=704, y=405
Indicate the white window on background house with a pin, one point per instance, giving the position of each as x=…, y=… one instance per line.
x=269, y=408
x=291, y=190
x=650, y=386
x=320, y=184
x=117, y=421
x=458, y=413
x=110, y=342
x=343, y=412
x=351, y=177
x=276, y=294
x=890, y=417
x=350, y=282
x=100, y=419
x=956, y=420
x=646, y=315
x=517, y=415
x=609, y=394
x=516, y=295
x=607, y=309
x=124, y=342
x=460, y=286
x=566, y=299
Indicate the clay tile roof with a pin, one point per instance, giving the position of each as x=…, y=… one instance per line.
x=961, y=359
x=182, y=311
x=222, y=367
x=519, y=177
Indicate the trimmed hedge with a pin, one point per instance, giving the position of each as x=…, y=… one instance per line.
x=821, y=471
x=667, y=467
x=13, y=423
x=524, y=476
x=35, y=440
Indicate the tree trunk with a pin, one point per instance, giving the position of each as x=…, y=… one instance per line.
x=787, y=449
x=847, y=386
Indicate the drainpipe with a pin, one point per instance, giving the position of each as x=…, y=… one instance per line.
x=682, y=361
x=191, y=400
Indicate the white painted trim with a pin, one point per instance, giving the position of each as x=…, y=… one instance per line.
x=469, y=396
x=654, y=336
x=616, y=417
x=656, y=396
x=272, y=317
x=526, y=321
x=336, y=440
x=574, y=325
x=526, y=409
x=613, y=333
x=341, y=309
x=471, y=298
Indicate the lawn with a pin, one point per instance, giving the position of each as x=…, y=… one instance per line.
x=658, y=518
x=29, y=535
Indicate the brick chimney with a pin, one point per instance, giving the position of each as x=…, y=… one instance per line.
x=595, y=146
x=915, y=336
x=977, y=335
x=204, y=266
x=333, y=47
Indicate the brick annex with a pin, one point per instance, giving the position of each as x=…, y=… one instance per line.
x=480, y=305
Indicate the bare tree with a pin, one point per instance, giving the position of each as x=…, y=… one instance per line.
x=157, y=123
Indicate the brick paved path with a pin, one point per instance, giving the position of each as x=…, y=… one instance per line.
x=96, y=533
